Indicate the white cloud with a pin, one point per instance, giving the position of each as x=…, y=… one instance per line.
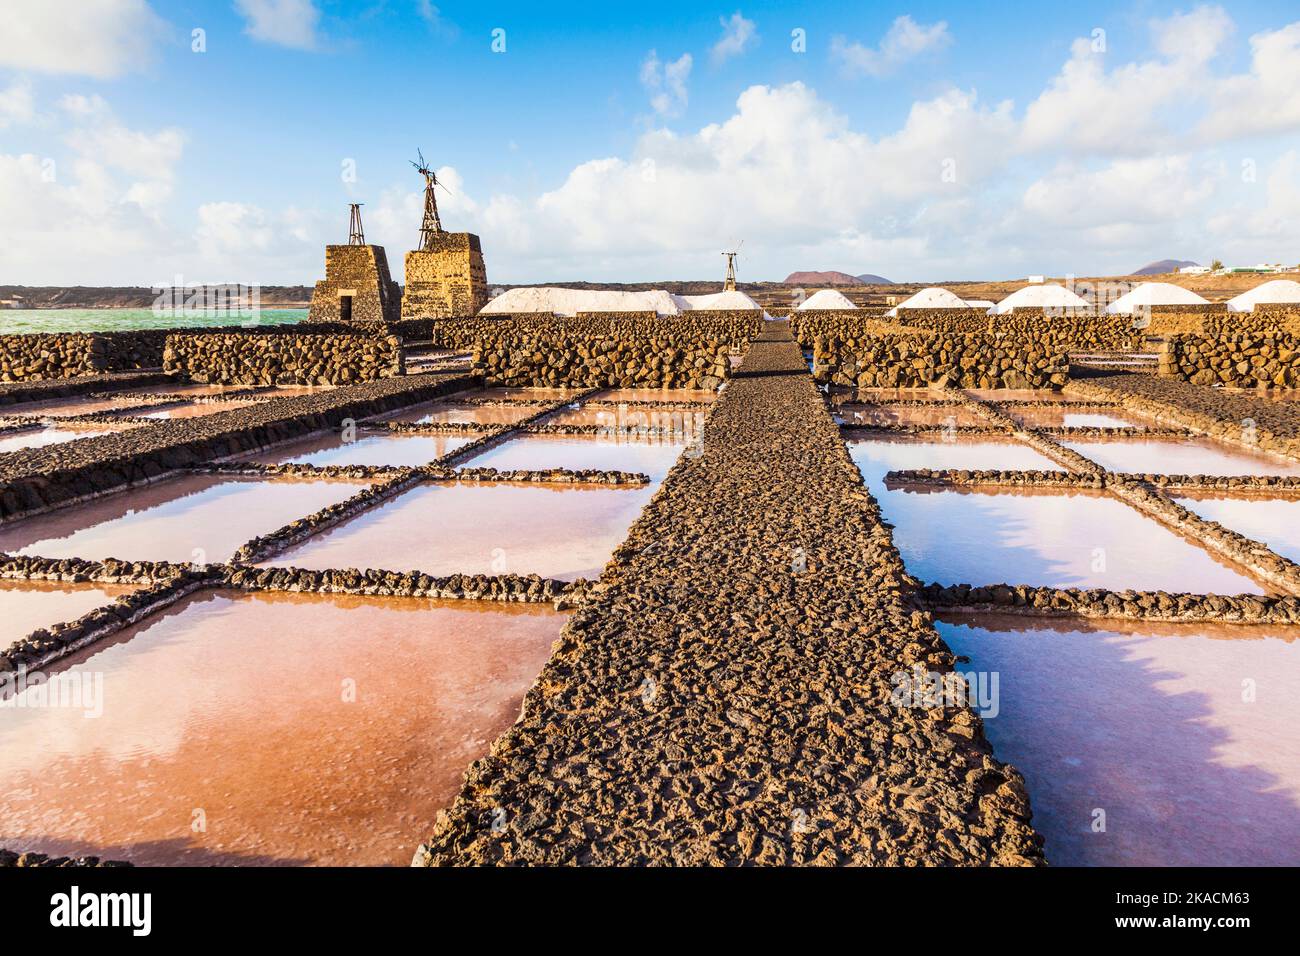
x=666, y=82
x=738, y=35
x=291, y=23
x=905, y=41
x=434, y=18
x=16, y=104
x=100, y=38
x=1125, y=110
x=1267, y=99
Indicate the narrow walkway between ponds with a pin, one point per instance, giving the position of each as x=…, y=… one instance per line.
x=723, y=696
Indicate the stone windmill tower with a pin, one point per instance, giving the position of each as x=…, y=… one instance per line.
x=357, y=286
x=729, y=284
x=445, y=276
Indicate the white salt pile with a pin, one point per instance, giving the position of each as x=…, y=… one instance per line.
x=1275, y=292
x=827, y=299
x=570, y=302
x=1153, y=293
x=1047, y=296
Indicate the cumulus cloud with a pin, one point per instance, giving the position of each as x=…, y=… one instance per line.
x=738, y=35
x=16, y=104
x=291, y=23
x=666, y=82
x=1267, y=99
x=1086, y=106
x=905, y=41
x=103, y=39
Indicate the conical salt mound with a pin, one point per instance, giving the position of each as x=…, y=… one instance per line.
x=827, y=299
x=1153, y=293
x=1275, y=292
x=1047, y=296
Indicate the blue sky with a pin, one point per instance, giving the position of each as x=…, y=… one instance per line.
x=634, y=142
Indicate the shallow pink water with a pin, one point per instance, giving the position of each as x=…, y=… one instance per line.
x=1059, y=418
x=451, y=411
x=657, y=395
x=197, y=518
x=1189, y=456
x=191, y=410
x=368, y=448
x=27, y=605
x=448, y=528
x=63, y=407
x=937, y=416
x=648, y=455
x=1051, y=538
x=1274, y=521
x=684, y=422
x=1154, y=725
x=296, y=729
x=49, y=435
x=544, y=394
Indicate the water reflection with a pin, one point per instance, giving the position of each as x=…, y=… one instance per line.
x=1182, y=735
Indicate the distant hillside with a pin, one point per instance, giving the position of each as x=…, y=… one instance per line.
x=821, y=278
x=1162, y=266
x=870, y=279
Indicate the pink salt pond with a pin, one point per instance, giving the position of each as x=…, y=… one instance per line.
x=196, y=518
x=1064, y=418
x=443, y=528
x=453, y=411
x=665, y=395
x=64, y=407
x=648, y=455
x=28, y=605
x=1182, y=735
x=516, y=394
x=367, y=448
x=1191, y=456
x=1049, y=538
x=659, y=416
x=189, y=410
x=48, y=435
x=937, y=416
x=296, y=729
x=1274, y=521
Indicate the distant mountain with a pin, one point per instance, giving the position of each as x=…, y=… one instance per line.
x=1162, y=266
x=822, y=278
x=870, y=279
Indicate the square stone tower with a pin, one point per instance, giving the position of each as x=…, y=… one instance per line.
x=356, y=287
x=447, y=278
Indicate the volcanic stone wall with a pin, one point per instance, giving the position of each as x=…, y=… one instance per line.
x=1261, y=360
x=652, y=361
x=362, y=273
x=946, y=320
x=251, y=358
x=734, y=329
x=449, y=279
x=1072, y=331
x=725, y=695
x=939, y=360
x=43, y=356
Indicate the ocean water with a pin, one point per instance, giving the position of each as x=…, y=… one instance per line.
x=21, y=321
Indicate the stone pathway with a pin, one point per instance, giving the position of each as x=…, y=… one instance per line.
x=723, y=695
